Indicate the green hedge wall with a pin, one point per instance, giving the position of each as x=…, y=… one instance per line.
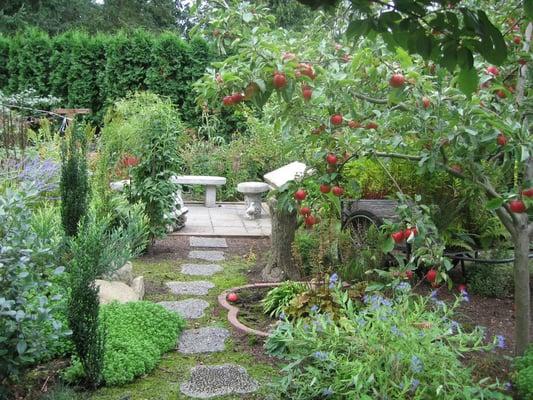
x=95, y=70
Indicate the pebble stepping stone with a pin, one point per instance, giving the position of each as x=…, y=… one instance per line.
x=196, y=241
x=207, y=255
x=200, y=269
x=203, y=340
x=188, y=309
x=208, y=381
x=198, y=288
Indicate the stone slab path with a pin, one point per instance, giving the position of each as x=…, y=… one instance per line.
x=200, y=269
x=209, y=381
x=207, y=255
x=197, y=288
x=205, y=381
x=212, y=242
x=203, y=340
x=189, y=308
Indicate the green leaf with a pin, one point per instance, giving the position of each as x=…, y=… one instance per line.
x=468, y=81
x=247, y=17
x=387, y=245
x=21, y=346
x=357, y=28
x=528, y=8
x=494, y=203
x=524, y=153
x=404, y=58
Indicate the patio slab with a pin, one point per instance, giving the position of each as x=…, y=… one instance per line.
x=225, y=220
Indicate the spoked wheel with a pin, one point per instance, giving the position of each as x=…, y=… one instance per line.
x=356, y=238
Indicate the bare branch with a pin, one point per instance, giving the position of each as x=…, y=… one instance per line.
x=373, y=100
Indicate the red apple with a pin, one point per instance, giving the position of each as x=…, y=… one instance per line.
x=371, y=125
x=461, y=288
x=431, y=276
x=237, y=97
x=407, y=233
x=227, y=100
x=501, y=139
x=232, y=297
x=522, y=61
x=325, y=188
x=310, y=220
x=493, y=70
x=397, y=80
x=501, y=94
x=305, y=211
x=409, y=274
x=288, y=56
x=300, y=194
x=280, y=80
x=517, y=40
x=354, y=124
x=307, y=92
x=517, y=206
x=528, y=192
x=398, y=236
x=337, y=191
x=426, y=102
x=336, y=119
x=331, y=159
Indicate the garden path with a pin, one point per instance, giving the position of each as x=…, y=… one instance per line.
x=226, y=219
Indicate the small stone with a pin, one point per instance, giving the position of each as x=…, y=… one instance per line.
x=200, y=269
x=196, y=241
x=194, y=287
x=208, y=255
x=208, y=381
x=123, y=274
x=110, y=291
x=188, y=309
x=138, y=286
x=203, y=340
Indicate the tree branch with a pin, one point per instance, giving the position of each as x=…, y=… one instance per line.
x=373, y=100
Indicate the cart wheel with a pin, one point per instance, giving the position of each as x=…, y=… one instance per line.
x=356, y=228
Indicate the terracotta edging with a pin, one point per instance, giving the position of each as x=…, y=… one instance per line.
x=233, y=311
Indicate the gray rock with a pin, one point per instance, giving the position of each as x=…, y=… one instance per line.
x=200, y=269
x=138, y=286
x=115, y=291
x=194, y=287
x=123, y=274
x=203, y=340
x=218, y=380
x=188, y=309
x=208, y=255
x=196, y=241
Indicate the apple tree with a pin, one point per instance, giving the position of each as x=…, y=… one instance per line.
x=398, y=91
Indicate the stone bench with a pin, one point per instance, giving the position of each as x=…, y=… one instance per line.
x=252, y=197
x=210, y=183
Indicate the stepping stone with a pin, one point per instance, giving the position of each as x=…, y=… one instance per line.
x=188, y=309
x=208, y=381
x=198, y=288
x=200, y=269
x=196, y=241
x=208, y=255
x=203, y=340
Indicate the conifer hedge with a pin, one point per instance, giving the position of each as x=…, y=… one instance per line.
x=92, y=71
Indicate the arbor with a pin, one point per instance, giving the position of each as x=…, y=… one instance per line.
x=394, y=104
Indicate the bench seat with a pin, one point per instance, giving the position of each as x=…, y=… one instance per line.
x=210, y=183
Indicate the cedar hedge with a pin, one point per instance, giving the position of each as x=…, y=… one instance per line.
x=92, y=71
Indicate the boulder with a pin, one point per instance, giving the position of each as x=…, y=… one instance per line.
x=116, y=291
x=138, y=286
x=123, y=274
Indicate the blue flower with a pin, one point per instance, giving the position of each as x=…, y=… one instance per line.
x=403, y=287
x=416, y=364
x=314, y=308
x=500, y=342
x=327, y=392
x=333, y=280
x=455, y=326
x=361, y=321
x=414, y=384
x=434, y=294
x=321, y=355
x=464, y=296
x=282, y=316
x=395, y=330
x=508, y=386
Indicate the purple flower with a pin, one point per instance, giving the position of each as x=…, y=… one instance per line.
x=416, y=364
x=395, y=330
x=314, y=308
x=403, y=287
x=455, y=326
x=43, y=174
x=500, y=342
x=434, y=294
x=464, y=296
x=282, y=316
x=333, y=280
x=508, y=386
x=414, y=384
x=321, y=355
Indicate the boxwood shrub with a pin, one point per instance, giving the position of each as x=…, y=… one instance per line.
x=137, y=334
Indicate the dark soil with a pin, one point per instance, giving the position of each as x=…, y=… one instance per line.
x=251, y=309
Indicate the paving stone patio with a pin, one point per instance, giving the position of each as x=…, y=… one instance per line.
x=213, y=242
x=203, y=340
x=207, y=255
x=198, y=288
x=209, y=381
x=227, y=219
x=200, y=269
x=188, y=309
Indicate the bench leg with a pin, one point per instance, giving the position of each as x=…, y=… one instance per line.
x=210, y=196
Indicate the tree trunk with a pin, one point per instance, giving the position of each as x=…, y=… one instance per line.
x=522, y=294
x=281, y=264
